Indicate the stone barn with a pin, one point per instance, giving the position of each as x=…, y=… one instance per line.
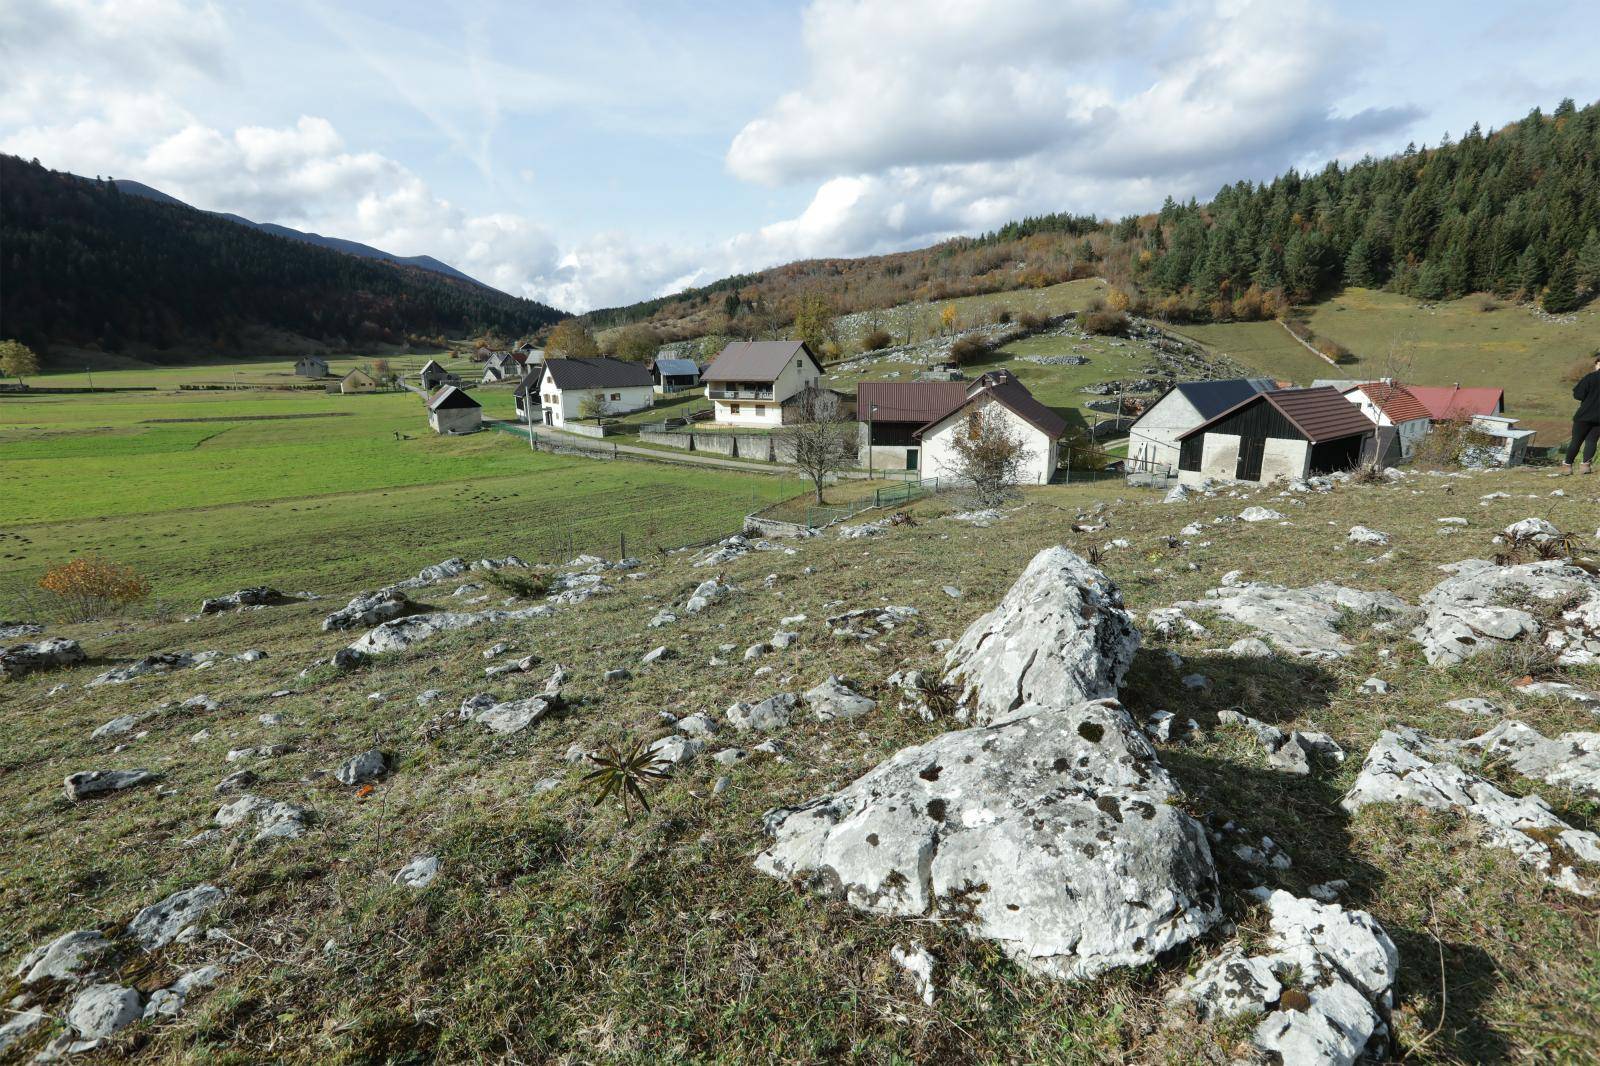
x=452, y=411
x=311, y=366
x=1283, y=434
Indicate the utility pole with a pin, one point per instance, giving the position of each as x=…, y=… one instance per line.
x=872, y=409
x=90, y=371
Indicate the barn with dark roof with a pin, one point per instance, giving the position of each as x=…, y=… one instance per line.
x=1282, y=434
x=1153, y=437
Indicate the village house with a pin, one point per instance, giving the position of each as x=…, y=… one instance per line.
x=674, y=375
x=1282, y=434
x=433, y=375
x=452, y=411
x=565, y=390
x=996, y=393
x=1452, y=403
x=757, y=383
x=1390, y=405
x=891, y=413
x=499, y=367
x=358, y=380
x=1153, y=437
x=311, y=366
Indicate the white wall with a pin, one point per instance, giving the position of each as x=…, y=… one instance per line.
x=795, y=377
x=564, y=404
x=939, y=457
x=1154, y=438
x=767, y=414
x=1411, y=434
x=1219, y=456
x=1284, y=459
x=456, y=420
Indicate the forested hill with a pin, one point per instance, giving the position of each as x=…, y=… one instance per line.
x=1515, y=211
x=84, y=263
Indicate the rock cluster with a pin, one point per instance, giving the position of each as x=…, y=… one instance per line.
x=20, y=659
x=255, y=596
x=1482, y=605
x=368, y=609
x=1306, y=622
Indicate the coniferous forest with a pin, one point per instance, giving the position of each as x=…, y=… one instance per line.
x=85, y=264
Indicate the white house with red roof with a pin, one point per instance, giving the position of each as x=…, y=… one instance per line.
x=1390, y=404
x=1035, y=425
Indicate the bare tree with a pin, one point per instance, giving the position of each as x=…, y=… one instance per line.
x=989, y=454
x=594, y=405
x=823, y=439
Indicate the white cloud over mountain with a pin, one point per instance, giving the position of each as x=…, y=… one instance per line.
x=911, y=120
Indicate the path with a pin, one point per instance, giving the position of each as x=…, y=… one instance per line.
x=568, y=440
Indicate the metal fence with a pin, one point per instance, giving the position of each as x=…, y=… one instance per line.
x=906, y=491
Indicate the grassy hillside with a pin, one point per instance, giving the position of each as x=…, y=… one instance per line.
x=559, y=931
x=1532, y=356
x=244, y=484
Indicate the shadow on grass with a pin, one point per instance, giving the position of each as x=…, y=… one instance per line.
x=1276, y=689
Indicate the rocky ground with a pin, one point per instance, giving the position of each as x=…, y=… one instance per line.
x=1309, y=773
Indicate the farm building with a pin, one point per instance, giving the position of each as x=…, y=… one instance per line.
x=1450, y=403
x=568, y=389
x=311, y=366
x=499, y=367
x=1039, y=428
x=674, y=375
x=891, y=413
x=433, y=375
x=1285, y=433
x=358, y=380
x=452, y=411
x=1153, y=437
x=1387, y=404
x=1495, y=440
x=756, y=383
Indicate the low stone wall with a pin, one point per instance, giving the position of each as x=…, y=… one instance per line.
x=587, y=431
x=668, y=440
x=773, y=529
x=715, y=443
x=754, y=446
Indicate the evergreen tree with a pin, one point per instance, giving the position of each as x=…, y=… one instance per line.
x=1561, y=295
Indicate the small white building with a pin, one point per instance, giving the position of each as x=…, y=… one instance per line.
x=1388, y=404
x=452, y=411
x=1153, y=437
x=311, y=366
x=568, y=389
x=1495, y=440
x=999, y=393
x=757, y=383
x=434, y=376
x=358, y=380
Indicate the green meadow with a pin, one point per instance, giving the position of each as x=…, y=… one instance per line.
x=307, y=489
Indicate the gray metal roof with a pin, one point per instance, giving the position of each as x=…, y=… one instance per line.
x=756, y=360
x=450, y=396
x=676, y=367
x=1211, y=398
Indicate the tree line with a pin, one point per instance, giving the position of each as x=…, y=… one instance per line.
x=86, y=264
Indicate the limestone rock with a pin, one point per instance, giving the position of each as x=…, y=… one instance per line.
x=834, y=698
x=1291, y=751
x=401, y=633
x=918, y=964
x=1304, y=622
x=1259, y=514
x=705, y=594
x=255, y=596
x=1571, y=760
x=771, y=713
x=655, y=655
x=515, y=715
x=65, y=958
x=19, y=1025
x=19, y=659
x=677, y=750
x=1059, y=636
x=117, y=726
x=368, y=609
x=101, y=1010
x=359, y=769
x=1470, y=612
x=1404, y=766
x=418, y=873
x=160, y=663
x=86, y=783
x=1064, y=815
x=869, y=622
x=1363, y=535
x=274, y=820
x=161, y=923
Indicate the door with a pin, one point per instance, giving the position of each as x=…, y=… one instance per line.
x=911, y=458
x=1251, y=450
x=547, y=419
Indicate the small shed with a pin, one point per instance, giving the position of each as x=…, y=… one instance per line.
x=358, y=380
x=311, y=366
x=1284, y=433
x=674, y=375
x=452, y=411
x=1495, y=440
x=433, y=375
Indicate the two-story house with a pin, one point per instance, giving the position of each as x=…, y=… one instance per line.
x=758, y=383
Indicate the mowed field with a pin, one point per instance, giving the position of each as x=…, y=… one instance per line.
x=307, y=490
x=1530, y=356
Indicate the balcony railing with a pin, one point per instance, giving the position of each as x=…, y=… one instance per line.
x=738, y=394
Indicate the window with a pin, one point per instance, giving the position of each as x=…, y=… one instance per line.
x=616, y=395
x=761, y=409
x=733, y=408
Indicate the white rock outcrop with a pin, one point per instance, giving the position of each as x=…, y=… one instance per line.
x=1481, y=605
x=1571, y=760
x=1060, y=636
x=401, y=633
x=835, y=699
x=368, y=609
x=20, y=659
x=161, y=923
x=1305, y=622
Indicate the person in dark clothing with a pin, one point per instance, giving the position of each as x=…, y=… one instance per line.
x=1586, y=422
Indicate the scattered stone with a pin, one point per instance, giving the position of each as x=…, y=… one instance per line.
x=117, y=726
x=1169, y=622
x=1363, y=535
x=101, y=1010
x=513, y=716
x=721, y=785
x=655, y=655
x=66, y=958
x=706, y=593
x=619, y=674
x=1468, y=612
x=860, y=532
x=1561, y=690
x=19, y=1025
x=264, y=751
x=368, y=609
x=1064, y=814
x=729, y=756
x=1327, y=891
x=1304, y=622
x=401, y=633
x=360, y=769
x=1404, y=766
x=1474, y=705
x=1259, y=514
x=1059, y=636
x=161, y=663
x=1571, y=760
x=771, y=713
x=20, y=659
x=696, y=725
x=256, y=596
x=80, y=786
x=418, y=873
x=951, y=591
x=1535, y=529
x=1195, y=682
x=1292, y=751
x=1375, y=686
x=251, y=655
x=918, y=963
x=869, y=622
x=428, y=696
x=161, y=923
x=1250, y=648
x=274, y=820
x=835, y=699
x=237, y=781
x=677, y=750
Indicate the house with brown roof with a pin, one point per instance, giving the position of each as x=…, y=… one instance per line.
x=1281, y=434
x=758, y=383
x=891, y=413
x=1389, y=404
x=996, y=393
x=1452, y=403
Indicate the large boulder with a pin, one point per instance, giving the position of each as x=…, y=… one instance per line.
x=1059, y=637
x=1054, y=833
x=102, y=1010
x=401, y=633
x=834, y=698
x=86, y=783
x=368, y=609
x=1404, y=766
x=255, y=596
x=1481, y=605
x=19, y=659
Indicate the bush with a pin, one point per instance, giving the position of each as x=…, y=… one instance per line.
x=90, y=588
x=968, y=350
x=1486, y=302
x=877, y=340
x=1335, y=351
x=523, y=585
x=1119, y=300
x=1003, y=316
x=1032, y=321
x=1103, y=322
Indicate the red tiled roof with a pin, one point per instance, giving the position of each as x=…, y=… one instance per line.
x=1396, y=401
x=908, y=401
x=1452, y=401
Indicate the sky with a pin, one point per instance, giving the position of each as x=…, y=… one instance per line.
x=588, y=155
